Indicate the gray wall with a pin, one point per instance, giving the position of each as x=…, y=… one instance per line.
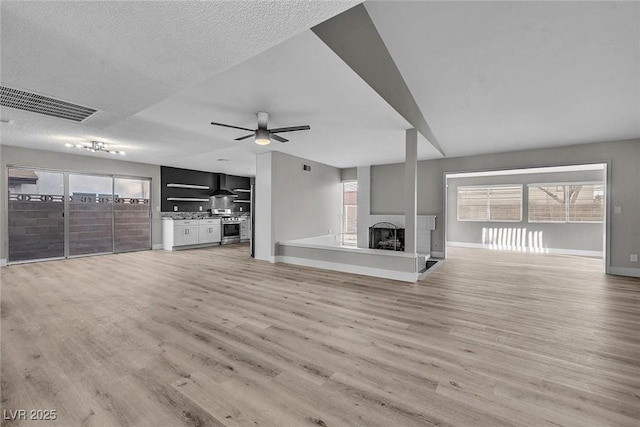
x=299, y=203
x=304, y=204
x=573, y=236
x=349, y=174
x=16, y=156
x=624, y=157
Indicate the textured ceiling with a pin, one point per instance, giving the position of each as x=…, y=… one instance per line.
x=487, y=76
x=123, y=57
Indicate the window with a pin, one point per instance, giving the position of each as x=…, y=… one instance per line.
x=350, y=213
x=575, y=202
x=499, y=203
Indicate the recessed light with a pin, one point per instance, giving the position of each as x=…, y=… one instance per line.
x=222, y=160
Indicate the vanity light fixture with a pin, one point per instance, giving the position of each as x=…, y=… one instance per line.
x=95, y=146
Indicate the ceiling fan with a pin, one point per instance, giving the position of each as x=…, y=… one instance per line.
x=262, y=134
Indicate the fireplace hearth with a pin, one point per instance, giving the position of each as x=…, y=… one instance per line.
x=386, y=236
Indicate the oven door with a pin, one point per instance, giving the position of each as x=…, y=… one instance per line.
x=230, y=232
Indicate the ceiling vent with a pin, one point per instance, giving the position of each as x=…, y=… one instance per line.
x=35, y=103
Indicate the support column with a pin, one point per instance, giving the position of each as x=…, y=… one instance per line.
x=410, y=196
x=364, y=205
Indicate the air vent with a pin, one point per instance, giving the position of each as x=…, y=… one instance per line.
x=35, y=103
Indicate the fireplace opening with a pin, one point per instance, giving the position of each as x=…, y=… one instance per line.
x=387, y=236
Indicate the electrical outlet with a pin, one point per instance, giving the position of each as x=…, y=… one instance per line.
x=175, y=209
x=617, y=209
x=200, y=208
x=633, y=258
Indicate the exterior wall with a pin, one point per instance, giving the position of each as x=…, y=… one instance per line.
x=40, y=226
x=90, y=227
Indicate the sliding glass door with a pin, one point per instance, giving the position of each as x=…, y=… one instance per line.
x=132, y=214
x=90, y=214
x=35, y=214
x=55, y=214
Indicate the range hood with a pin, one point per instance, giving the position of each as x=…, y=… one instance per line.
x=222, y=189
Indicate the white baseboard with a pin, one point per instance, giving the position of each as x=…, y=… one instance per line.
x=3, y=262
x=574, y=252
x=437, y=254
x=157, y=246
x=625, y=271
x=348, y=268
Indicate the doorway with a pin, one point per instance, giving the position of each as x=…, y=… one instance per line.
x=555, y=210
x=59, y=214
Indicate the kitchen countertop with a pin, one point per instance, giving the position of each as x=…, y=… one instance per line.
x=193, y=217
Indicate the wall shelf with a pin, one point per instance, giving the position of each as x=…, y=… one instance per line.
x=242, y=201
x=186, y=199
x=242, y=190
x=199, y=187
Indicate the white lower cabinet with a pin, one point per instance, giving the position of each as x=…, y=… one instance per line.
x=209, y=232
x=185, y=235
x=177, y=233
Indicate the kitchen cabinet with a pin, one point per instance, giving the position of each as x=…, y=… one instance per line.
x=209, y=231
x=191, y=232
x=245, y=229
x=185, y=233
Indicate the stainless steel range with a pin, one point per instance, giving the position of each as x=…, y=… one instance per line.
x=230, y=231
x=229, y=226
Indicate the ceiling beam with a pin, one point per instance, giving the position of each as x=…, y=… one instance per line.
x=355, y=39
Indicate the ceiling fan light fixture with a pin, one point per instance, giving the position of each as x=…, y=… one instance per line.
x=262, y=137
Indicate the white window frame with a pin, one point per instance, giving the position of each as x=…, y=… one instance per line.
x=488, y=205
x=566, y=202
x=342, y=231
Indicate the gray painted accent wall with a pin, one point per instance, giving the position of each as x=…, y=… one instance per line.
x=573, y=236
x=17, y=156
x=624, y=175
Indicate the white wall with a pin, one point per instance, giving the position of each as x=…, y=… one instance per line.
x=16, y=156
x=301, y=204
x=571, y=237
x=624, y=157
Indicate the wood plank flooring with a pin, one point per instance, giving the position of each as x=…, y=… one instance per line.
x=211, y=337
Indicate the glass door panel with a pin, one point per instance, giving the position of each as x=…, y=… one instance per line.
x=35, y=214
x=90, y=214
x=132, y=214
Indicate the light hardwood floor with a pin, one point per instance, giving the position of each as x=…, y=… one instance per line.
x=212, y=337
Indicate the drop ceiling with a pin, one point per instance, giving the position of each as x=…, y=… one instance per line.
x=488, y=77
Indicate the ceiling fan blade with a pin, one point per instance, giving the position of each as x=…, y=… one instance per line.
x=245, y=137
x=231, y=126
x=290, y=129
x=279, y=138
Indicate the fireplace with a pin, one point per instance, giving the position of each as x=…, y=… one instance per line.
x=387, y=236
